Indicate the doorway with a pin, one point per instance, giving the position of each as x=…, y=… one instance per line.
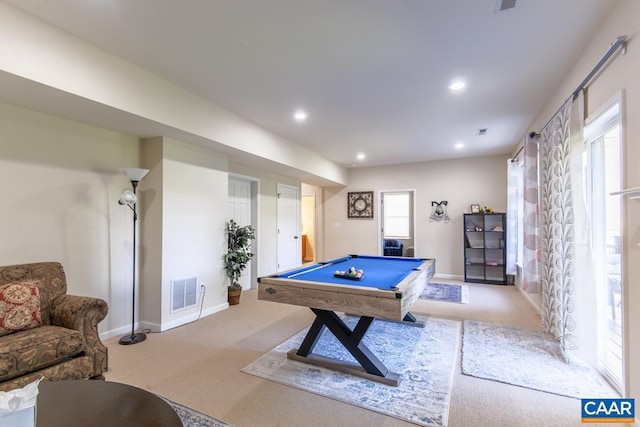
x=397, y=223
x=308, y=215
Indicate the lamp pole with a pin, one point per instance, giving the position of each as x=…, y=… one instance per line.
x=135, y=175
x=140, y=336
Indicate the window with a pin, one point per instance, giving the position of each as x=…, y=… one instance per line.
x=602, y=176
x=397, y=215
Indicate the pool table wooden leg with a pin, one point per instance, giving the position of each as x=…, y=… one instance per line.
x=351, y=340
x=410, y=320
x=312, y=337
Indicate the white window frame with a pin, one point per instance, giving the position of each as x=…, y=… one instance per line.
x=594, y=134
x=407, y=215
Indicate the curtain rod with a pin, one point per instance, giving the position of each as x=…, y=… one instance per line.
x=515, y=156
x=620, y=42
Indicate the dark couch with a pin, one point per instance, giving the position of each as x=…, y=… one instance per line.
x=392, y=247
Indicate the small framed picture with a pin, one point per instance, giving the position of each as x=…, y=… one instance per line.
x=475, y=208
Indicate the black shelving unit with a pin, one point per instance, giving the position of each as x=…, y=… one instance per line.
x=484, y=248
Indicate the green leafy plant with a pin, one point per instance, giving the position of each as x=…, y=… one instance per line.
x=238, y=251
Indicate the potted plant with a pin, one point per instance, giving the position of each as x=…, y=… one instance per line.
x=237, y=257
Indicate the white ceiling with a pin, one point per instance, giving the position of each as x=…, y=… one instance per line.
x=372, y=74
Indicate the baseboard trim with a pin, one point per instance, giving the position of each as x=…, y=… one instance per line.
x=529, y=300
x=121, y=331
x=189, y=318
x=155, y=327
x=448, y=276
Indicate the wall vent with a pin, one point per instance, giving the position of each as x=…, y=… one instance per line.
x=506, y=5
x=183, y=293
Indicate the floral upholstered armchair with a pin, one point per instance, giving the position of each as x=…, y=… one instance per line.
x=44, y=332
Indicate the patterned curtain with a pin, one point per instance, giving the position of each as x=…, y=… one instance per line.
x=585, y=293
x=512, y=215
x=531, y=243
x=557, y=234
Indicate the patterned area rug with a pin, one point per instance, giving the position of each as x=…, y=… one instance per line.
x=192, y=418
x=425, y=357
x=527, y=358
x=446, y=292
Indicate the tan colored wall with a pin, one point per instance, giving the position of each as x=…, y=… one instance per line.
x=182, y=219
x=60, y=183
x=460, y=182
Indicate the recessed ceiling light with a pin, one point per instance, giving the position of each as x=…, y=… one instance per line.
x=361, y=156
x=457, y=85
x=506, y=5
x=459, y=146
x=300, y=116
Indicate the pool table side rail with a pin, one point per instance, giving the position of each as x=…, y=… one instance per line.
x=363, y=301
x=413, y=285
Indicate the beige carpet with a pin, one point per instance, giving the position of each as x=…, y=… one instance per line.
x=199, y=365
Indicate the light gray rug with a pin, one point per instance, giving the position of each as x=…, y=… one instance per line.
x=425, y=357
x=447, y=292
x=527, y=358
x=192, y=418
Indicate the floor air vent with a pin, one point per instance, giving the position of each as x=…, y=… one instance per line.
x=183, y=293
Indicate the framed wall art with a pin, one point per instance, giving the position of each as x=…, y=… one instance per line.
x=360, y=204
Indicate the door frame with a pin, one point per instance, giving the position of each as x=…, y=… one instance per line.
x=414, y=197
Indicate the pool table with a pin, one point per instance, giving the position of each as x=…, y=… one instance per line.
x=387, y=290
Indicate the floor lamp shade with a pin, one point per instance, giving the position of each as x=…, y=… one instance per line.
x=135, y=174
x=129, y=199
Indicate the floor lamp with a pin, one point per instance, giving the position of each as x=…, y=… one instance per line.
x=129, y=198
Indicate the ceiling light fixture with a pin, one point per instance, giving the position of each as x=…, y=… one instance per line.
x=506, y=5
x=300, y=116
x=459, y=146
x=457, y=85
x=361, y=156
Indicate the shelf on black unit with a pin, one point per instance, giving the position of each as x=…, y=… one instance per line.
x=483, y=244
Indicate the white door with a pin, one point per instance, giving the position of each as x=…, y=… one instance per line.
x=288, y=252
x=239, y=210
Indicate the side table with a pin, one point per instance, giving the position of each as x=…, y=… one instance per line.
x=96, y=403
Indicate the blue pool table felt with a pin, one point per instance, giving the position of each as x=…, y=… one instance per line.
x=379, y=272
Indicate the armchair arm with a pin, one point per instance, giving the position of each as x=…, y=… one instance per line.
x=83, y=314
